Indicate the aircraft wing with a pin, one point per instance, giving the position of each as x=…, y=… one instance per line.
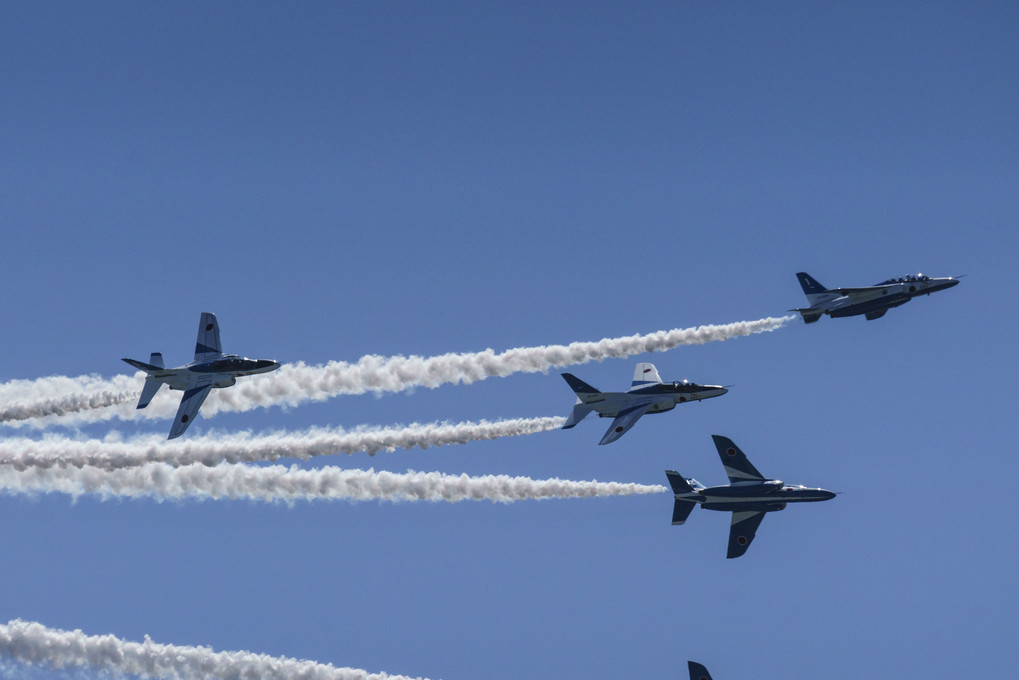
x=735, y=462
x=208, y=348
x=742, y=531
x=644, y=375
x=622, y=423
x=188, y=409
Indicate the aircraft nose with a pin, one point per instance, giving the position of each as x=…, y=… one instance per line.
x=827, y=495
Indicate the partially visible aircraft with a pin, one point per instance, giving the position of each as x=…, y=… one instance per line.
x=749, y=495
x=211, y=368
x=698, y=671
x=871, y=301
x=647, y=394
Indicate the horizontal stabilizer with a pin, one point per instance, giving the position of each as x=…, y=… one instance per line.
x=142, y=366
x=149, y=391
x=681, y=510
x=809, y=314
x=580, y=411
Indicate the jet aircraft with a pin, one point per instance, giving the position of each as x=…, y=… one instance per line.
x=211, y=368
x=647, y=394
x=698, y=671
x=871, y=301
x=749, y=495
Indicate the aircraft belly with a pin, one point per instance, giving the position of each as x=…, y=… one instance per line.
x=858, y=308
x=749, y=505
x=611, y=406
x=662, y=407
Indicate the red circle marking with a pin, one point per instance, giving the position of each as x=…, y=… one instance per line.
x=731, y=451
x=742, y=540
x=619, y=429
x=184, y=418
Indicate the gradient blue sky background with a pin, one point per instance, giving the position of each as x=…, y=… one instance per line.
x=339, y=179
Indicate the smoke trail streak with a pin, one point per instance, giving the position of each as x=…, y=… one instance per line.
x=280, y=484
x=210, y=450
x=61, y=395
x=296, y=383
x=34, y=643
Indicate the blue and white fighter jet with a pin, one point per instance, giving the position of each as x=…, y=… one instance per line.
x=749, y=495
x=211, y=368
x=871, y=301
x=647, y=394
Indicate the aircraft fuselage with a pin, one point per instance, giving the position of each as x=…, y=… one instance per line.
x=666, y=396
x=764, y=496
x=224, y=371
x=886, y=295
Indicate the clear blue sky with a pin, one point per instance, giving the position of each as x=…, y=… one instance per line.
x=338, y=179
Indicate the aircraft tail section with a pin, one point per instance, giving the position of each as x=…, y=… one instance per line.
x=148, y=368
x=151, y=387
x=681, y=510
x=585, y=392
x=814, y=291
x=580, y=411
x=698, y=671
x=809, y=314
x=678, y=484
x=810, y=285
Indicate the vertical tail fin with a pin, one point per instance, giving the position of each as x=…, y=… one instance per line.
x=810, y=285
x=815, y=292
x=678, y=484
x=156, y=359
x=682, y=507
x=698, y=671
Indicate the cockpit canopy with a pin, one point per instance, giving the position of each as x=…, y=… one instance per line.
x=909, y=278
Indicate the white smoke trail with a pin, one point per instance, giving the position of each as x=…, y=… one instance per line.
x=293, y=384
x=34, y=643
x=61, y=395
x=210, y=450
x=280, y=484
